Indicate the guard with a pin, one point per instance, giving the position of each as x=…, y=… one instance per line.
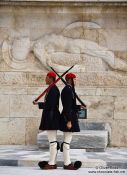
x=69, y=121
x=50, y=120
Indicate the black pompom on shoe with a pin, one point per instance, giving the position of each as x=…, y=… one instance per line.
x=42, y=164
x=77, y=164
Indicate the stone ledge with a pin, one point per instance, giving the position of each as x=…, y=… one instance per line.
x=86, y=139
x=63, y=2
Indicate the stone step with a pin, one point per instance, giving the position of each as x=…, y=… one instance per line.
x=86, y=139
x=85, y=125
x=30, y=156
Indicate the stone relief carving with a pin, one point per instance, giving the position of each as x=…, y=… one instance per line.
x=61, y=51
x=15, y=54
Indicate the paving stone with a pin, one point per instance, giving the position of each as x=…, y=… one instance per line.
x=4, y=162
x=26, y=156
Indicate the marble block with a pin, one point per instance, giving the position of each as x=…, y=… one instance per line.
x=86, y=139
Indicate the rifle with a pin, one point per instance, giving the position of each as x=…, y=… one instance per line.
x=80, y=101
x=49, y=87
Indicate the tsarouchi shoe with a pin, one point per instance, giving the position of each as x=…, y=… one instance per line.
x=45, y=166
x=74, y=166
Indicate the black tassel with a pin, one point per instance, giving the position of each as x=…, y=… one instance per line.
x=58, y=146
x=41, y=164
x=77, y=164
x=61, y=148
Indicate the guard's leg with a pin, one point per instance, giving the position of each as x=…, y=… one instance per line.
x=45, y=165
x=53, y=147
x=66, y=147
x=66, y=153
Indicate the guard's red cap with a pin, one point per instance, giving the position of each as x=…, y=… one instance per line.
x=51, y=74
x=70, y=75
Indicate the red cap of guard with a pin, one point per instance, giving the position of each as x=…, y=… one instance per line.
x=51, y=74
x=70, y=75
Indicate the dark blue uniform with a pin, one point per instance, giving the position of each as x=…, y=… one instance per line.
x=50, y=116
x=69, y=112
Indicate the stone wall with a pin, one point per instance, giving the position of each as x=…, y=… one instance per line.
x=33, y=38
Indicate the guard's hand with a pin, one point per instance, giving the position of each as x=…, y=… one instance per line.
x=35, y=103
x=69, y=125
x=83, y=107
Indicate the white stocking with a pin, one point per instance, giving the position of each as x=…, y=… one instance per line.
x=52, y=134
x=66, y=147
